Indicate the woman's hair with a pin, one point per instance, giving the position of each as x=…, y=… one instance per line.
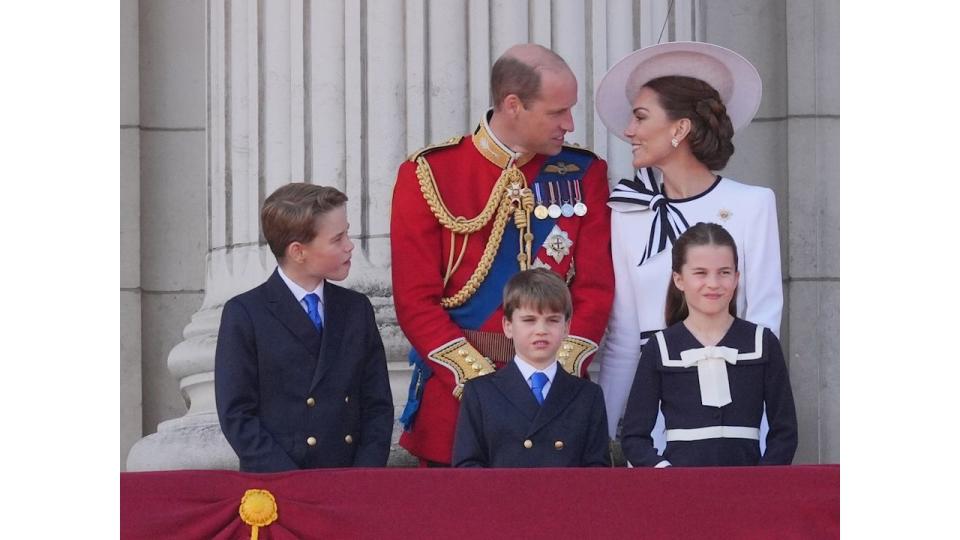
x=711, y=133
x=701, y=234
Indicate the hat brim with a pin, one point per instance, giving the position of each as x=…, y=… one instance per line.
x=733, y=76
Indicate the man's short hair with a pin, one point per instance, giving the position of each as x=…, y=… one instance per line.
x=511, y=75
x=290, y=214
x=537, y=289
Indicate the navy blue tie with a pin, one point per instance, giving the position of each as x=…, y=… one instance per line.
x=313, y=302
x=537, y=381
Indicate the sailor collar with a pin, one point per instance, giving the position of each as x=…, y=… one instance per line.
x=744, y=337
x=711, y=362
x=495, y=151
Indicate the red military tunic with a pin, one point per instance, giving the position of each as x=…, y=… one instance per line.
x=465, y=171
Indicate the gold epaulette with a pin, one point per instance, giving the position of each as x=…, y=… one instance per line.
x=576, y=147
x=452, y=141
x=466, y=362
x=573, y=352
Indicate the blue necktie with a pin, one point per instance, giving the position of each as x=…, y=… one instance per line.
x=313, y=301
x=537, y=381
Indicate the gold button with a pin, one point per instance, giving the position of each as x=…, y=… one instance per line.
x=346, y=399
x=558, y=445
x=348, y=439
x=312, y=441
x=311, y=402
x=477, y=366
x=567, y=346
x=461, y=351
x=528, y=443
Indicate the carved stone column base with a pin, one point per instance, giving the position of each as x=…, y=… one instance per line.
x=193, y=442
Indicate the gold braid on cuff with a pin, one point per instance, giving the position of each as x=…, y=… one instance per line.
x=463, y=360
x=573, y=352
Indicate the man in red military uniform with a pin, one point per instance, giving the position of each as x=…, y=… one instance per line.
x=471, y=212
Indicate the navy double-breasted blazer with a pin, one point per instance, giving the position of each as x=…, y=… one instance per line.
x=502, y=425
x=291, y=398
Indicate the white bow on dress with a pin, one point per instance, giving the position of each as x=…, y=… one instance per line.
x=712, y=371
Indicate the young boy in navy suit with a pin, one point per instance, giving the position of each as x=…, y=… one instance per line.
x=530, y=413
x=300, y=374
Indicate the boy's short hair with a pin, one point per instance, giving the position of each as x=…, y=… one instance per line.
x=290, y=214
x=539, y=289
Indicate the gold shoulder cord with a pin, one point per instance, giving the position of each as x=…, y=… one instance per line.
x=509, y=194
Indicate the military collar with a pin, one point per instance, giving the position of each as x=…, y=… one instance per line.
x=495, y=151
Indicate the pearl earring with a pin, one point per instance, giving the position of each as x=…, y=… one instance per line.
x=674, y=142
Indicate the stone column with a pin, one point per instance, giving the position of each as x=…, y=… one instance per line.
x=813, y=176
x=172, y=217
x=131, y=408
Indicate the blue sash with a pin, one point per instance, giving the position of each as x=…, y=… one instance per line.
x=488, y=297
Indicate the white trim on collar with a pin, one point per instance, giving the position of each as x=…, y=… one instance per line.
x=672, y=362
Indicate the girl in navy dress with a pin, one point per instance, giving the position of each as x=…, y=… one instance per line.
x=710, y=372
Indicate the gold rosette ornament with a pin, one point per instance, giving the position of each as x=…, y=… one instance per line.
x=258, y=509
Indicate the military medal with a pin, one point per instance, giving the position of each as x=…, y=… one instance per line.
x=540, y=211
x=580, y=208
x=558, y=244
x=554, y=210
x=567, y=208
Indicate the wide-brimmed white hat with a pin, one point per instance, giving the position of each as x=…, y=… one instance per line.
x=733, y=76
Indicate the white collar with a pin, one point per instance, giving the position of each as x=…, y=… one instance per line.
x=527, y=370
x=298, y=291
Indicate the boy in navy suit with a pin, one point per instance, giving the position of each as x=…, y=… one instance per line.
x=530, y=413
x=301, y=378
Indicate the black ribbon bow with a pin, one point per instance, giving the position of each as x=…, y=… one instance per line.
x=643, y=193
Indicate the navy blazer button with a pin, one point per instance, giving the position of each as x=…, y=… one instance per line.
x=528, y=444
x=312, y=441
x=311, y=402
x=346, y=399
x=558, y=445
x=348, y=439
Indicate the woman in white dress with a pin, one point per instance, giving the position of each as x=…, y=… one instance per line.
x=678, y=105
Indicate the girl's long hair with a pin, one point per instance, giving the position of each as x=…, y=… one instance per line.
x=701, y=234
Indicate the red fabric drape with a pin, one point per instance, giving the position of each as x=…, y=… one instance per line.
x=749, y=502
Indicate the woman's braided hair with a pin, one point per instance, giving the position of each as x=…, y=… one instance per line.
x=711, y=133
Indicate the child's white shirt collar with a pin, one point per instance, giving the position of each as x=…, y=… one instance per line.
x=527, y=370
x=299, y=292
